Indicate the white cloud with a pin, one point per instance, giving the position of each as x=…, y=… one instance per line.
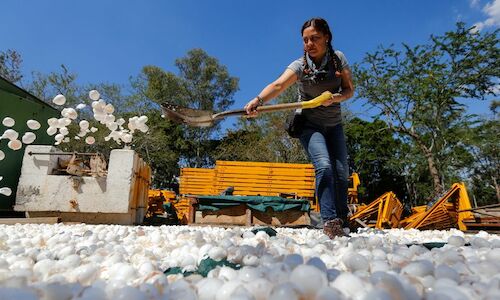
x=492, y=10
x=474, y=3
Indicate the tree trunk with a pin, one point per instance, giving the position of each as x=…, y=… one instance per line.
x=497, y=188
x=438, y=188
x=431, y=162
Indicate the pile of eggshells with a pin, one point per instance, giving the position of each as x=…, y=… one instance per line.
x=58, y=127
x=103, y=113
x=128, y=262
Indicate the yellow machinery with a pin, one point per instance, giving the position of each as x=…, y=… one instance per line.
x=383, y=212
x=352, y=191
x=448, y=211
x=156, y=199
x=297, y=181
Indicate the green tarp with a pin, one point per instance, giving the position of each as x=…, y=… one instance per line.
x=205, y=266
x=260, y=203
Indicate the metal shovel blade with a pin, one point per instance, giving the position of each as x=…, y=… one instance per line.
x=205, y=118
x=189, y=116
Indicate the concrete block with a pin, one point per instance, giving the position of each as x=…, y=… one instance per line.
x=122, y=193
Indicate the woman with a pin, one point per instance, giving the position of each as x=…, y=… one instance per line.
x=320, y=69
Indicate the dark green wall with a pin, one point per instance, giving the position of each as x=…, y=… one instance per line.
x=20, y=106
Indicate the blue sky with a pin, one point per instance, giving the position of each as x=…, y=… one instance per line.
x=108, y=41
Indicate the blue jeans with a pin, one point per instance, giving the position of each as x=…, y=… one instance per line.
x=326, y=147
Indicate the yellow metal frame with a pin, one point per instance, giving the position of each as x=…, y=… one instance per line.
x=443, y=214
x=383, y=212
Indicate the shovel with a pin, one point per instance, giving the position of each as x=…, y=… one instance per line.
x=205, y=118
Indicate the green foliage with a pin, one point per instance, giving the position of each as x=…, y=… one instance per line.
x=485, y=171
x=46, y=87
x=202, y=83
x=417, y=90
x=161, y=148
x=263, y=138
x=10, y=65
x=375, y=154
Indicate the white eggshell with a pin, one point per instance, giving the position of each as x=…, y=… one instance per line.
x=217, y=253
x=456, y=241
x=65, y=122
x=285, y=291
x=80, y=106
x=8, y=122
x=419, y=268
x=94, y=95
x=349, y=284
x=10, y=134
x=6, y=191
x=51, y=130
x=127, y=138
x=90, y=140
x=309, y=279
x=109, y=118
x=59, y=100
x=112, y=126
x=15, y=144
x=33, y=124
x=355, y=262
x=63, y=130
x=84, y=124
x=109, y=108
x=208, y=287
x=260, y=288
x=293, y=260
x=52, y=122
x=28, y=137
x=59, y=137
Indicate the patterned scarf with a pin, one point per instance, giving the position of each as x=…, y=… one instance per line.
x=315, y=73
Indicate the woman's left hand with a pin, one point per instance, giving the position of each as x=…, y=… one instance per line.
x=335, y=98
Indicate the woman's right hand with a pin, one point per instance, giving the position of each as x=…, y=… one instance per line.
x=251, y=107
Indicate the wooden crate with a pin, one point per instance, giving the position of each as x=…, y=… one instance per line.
x=243, y=215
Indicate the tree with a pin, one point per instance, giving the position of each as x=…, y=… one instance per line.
x=484, y=147
x=377, y=157
x=269, y=140
x=162, y=149
x=47, y=86
x=10, y=65
x=417, y=90
x=202, y=83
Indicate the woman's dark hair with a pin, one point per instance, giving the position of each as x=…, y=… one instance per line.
x=322, y=26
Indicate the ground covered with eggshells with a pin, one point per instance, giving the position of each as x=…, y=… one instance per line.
x=39, y=261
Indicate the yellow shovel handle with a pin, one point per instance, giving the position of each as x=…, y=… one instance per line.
x=317, y=101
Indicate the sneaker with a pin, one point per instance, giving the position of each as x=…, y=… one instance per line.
x=333, y=228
